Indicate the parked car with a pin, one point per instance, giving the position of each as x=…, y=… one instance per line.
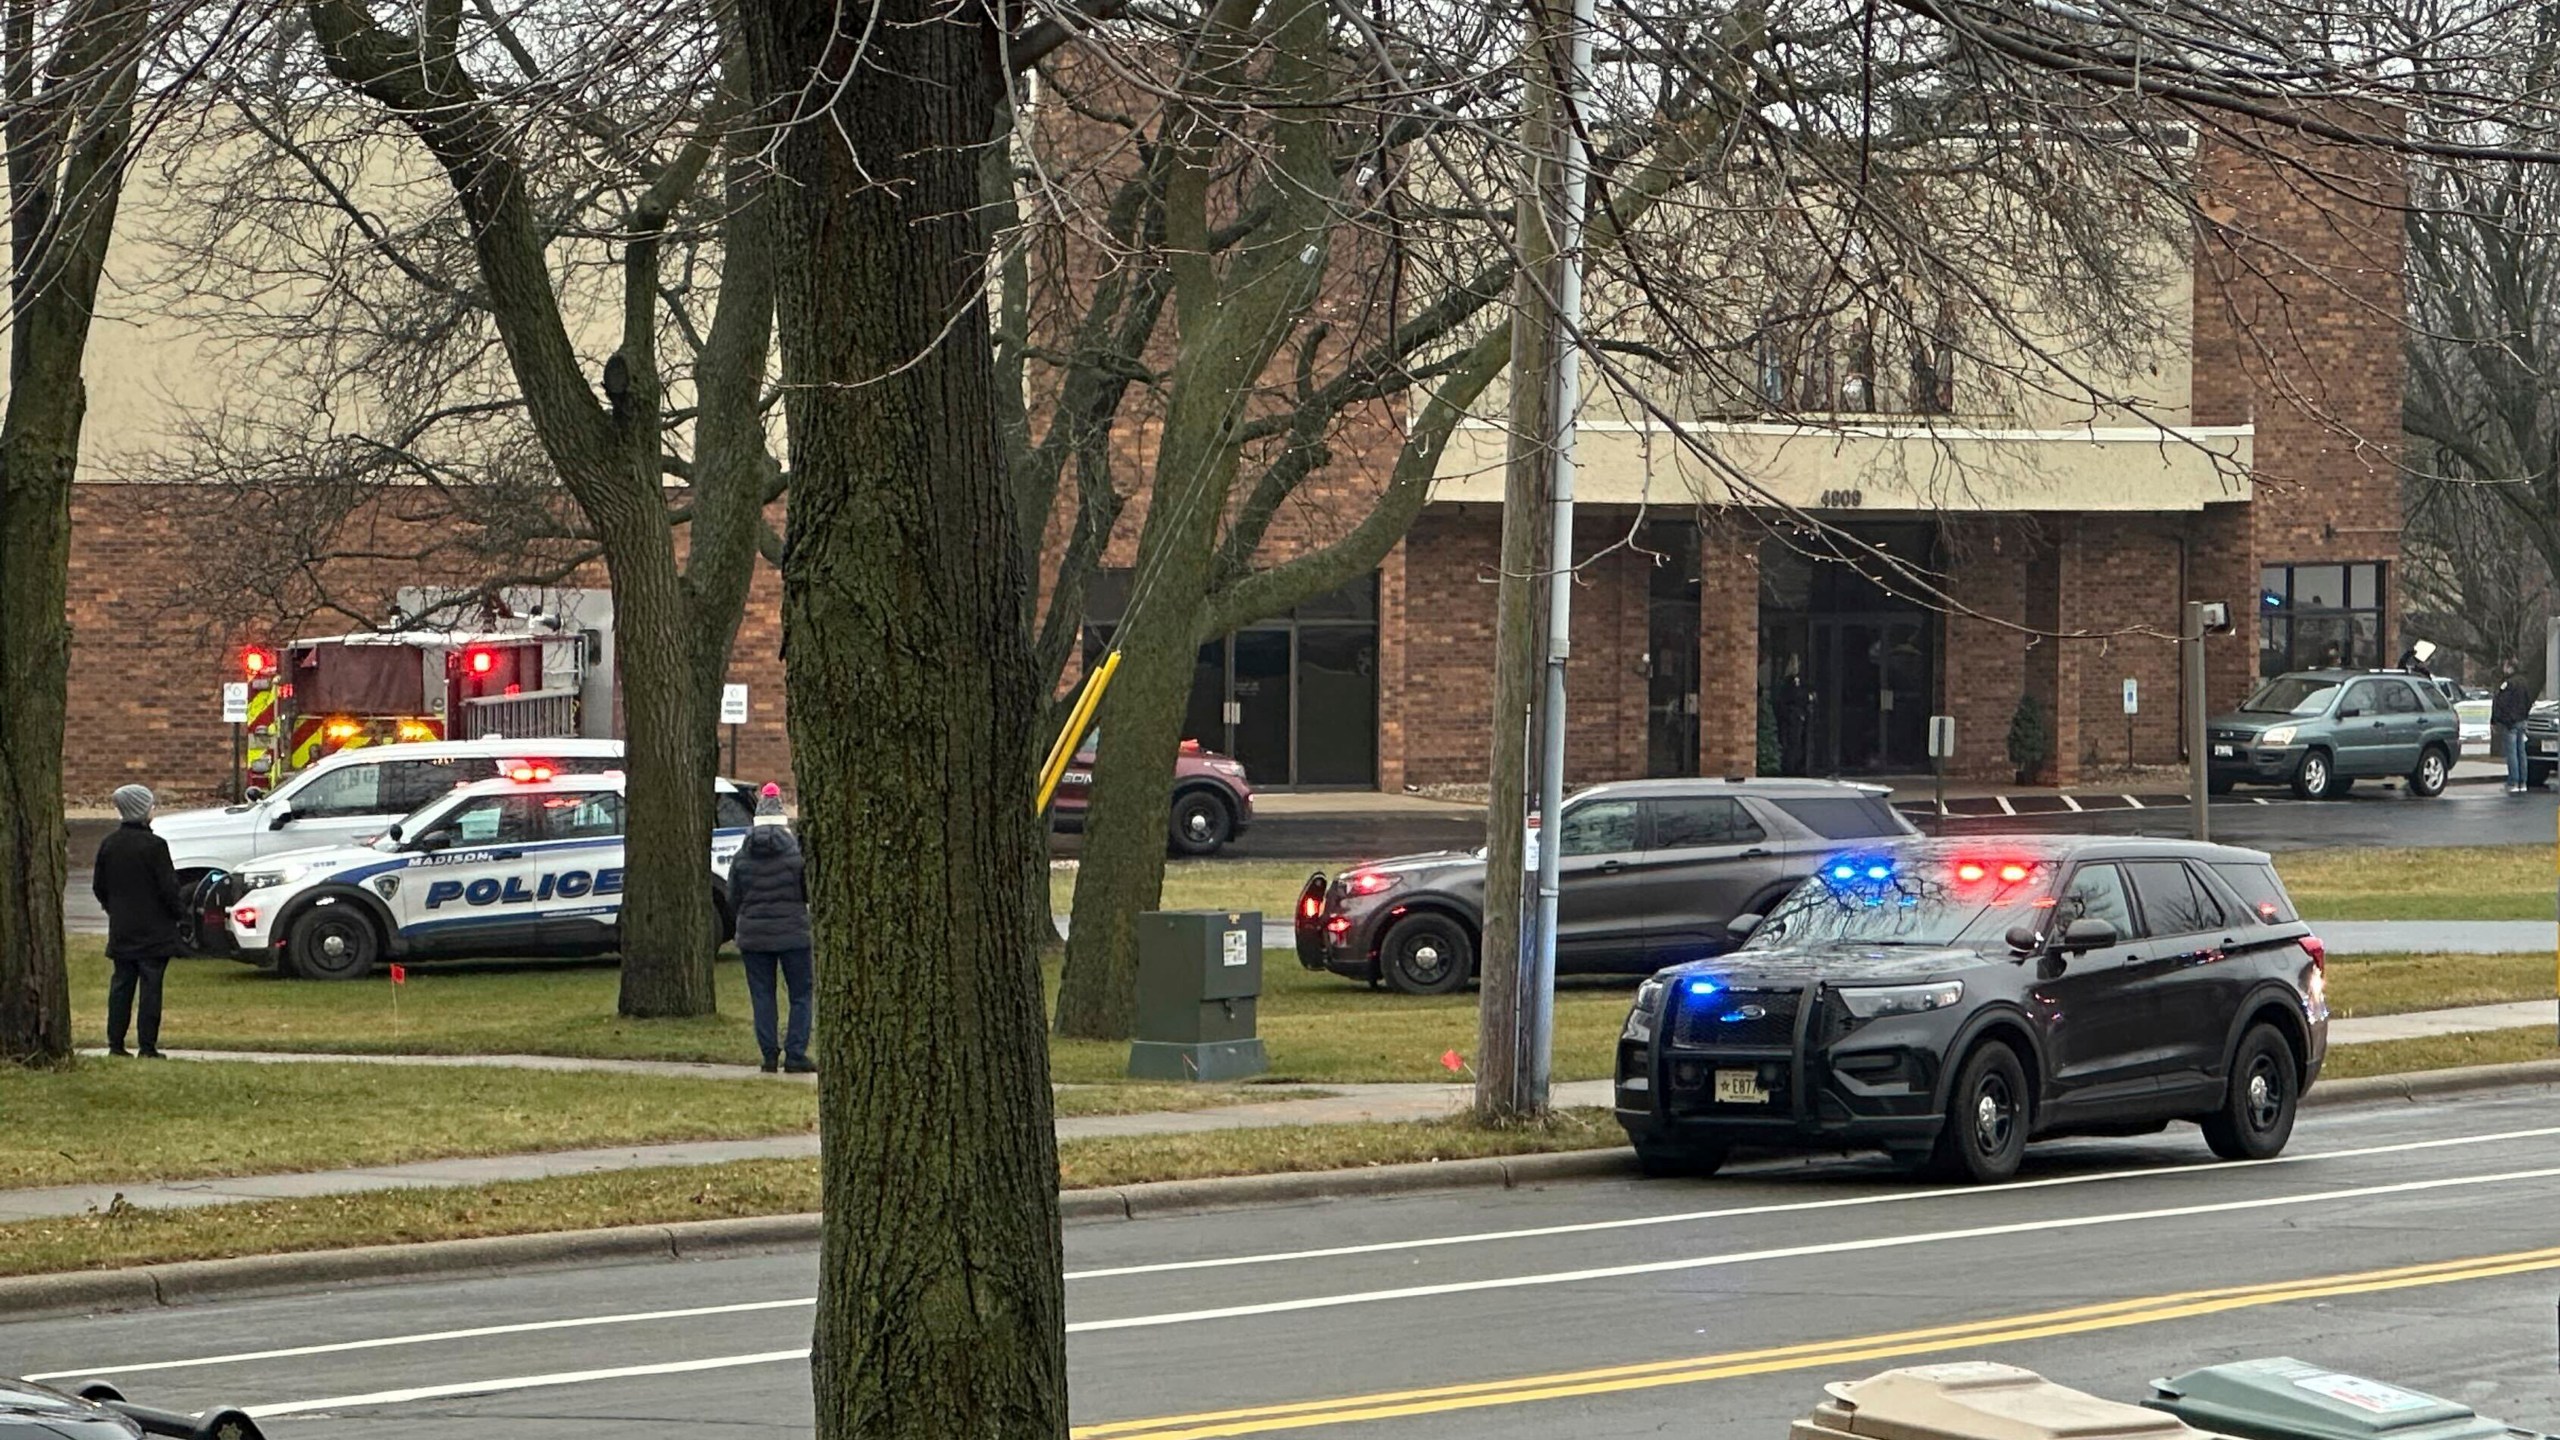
x=2320, y=731
x=1652, y=873
x=1212, y=801
x=1951, y=1001
x=347, y=798
x=2542, y=743
x=2471, y=707
x=100, y=1412
x=528, y=864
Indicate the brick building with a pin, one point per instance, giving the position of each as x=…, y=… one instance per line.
x=2264, y=473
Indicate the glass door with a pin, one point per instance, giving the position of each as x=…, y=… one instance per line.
x=1261, y=715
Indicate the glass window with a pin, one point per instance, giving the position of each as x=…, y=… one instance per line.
x=2096, y=892
x=1600, y=827
x=2292, y=695
x=589, y=815
x=2169, y=899
x=1711, y=820
x=1861, y=818
x=1914, y=900
x=2274, y=584
x=2364, y=583
x=732, y=811
x=408, y=784
x=491, y=820
x=2314, y=616
x=2399, y=699
x=2320, y=587
x=346, y=791
x=2210, y=900
x=579, y=764
x=1338, y=705
x=2258, y=888
x=2359, y=700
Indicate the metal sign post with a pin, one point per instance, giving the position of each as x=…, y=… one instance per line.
x=733, y=713
x=2132, y=707
x=1942, y=748
x=2191, y=643
x=235, y=713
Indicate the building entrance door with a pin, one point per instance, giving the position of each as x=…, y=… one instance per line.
x=1869, y=678
x=1848, y=663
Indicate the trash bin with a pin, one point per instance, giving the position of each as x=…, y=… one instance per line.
x=2288, y=1399
x=1977, y=1400
x=1199, y=975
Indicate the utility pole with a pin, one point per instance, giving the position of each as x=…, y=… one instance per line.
x=2199, y=768
x=1502, y=1066
x=1518, y=966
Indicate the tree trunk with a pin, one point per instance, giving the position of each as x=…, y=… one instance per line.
x=671, y=745
x=1120, y=871
x=941, y=1308
x=66, y=161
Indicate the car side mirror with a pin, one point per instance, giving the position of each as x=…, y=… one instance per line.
x=2350, y=713
x=1740, y=927
x=280, y=819
x=434, y=840
x=2088, y=934
x=2024, y=939
x=254, y=794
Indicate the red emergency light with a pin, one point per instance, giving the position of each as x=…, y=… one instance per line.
x=257, y=662
x=481, y=662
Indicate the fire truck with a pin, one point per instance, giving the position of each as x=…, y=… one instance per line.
x=541, y=668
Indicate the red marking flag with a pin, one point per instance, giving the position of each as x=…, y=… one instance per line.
x=1452, y=1061
x=399, y=974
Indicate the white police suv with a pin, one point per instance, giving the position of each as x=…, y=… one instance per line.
x=527, y=864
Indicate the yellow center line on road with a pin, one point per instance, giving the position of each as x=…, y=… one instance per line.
x=1690, y=1370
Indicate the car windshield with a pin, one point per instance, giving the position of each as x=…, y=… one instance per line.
x=1924, y=898
x=2292, y=695
x=417, y=822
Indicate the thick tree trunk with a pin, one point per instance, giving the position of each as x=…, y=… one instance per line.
x=1120, y=871
x=670, y=751
x=40, y=447
x=941, y=1307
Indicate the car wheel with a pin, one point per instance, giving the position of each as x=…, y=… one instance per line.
x=2256, y=1118
x=1681, y=1159
x=2314, y=778
x=1201, y=824
x=191, y=924
x=1988, y=1111
x=1427, y=955
x=333, y=942
x=2537, y=776
x=2219, y=787
x=2433, y=770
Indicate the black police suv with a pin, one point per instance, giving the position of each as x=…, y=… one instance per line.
x=98, y=1412
x=1948, y=1001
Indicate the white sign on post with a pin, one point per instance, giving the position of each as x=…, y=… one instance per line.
x=235, y=702
x=1942, y=737
x=733, y=704
x=2132, y=697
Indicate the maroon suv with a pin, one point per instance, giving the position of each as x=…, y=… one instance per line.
x=1212, y=804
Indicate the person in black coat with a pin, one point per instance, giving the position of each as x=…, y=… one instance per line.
x=769, y=895
x=2507, y=714
x=138, y=887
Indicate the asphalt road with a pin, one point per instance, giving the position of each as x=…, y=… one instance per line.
x=2417, y=1244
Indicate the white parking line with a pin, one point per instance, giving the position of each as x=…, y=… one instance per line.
x=561, y=1379
x=1539, y=1232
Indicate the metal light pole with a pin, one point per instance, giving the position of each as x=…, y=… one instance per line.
x=1564, y=399
x=2199, y=778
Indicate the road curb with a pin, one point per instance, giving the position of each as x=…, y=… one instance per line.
x=196, y=1281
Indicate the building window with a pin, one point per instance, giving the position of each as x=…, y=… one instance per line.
x=2312, y=617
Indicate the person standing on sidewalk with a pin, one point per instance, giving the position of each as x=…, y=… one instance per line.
x=2507, y=715
x=138, y=888
x=769, y=893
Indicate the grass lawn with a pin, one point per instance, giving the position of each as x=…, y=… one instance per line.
x=710, y=1192
x=2399, y=984
x=1270, y=886
x=2505, y=882
x=176, y=1120
x=2441, y=1052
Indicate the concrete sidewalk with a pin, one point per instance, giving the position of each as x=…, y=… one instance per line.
x=1346, y=1104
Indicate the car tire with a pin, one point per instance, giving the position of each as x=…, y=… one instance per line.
x=1988, y=1112
x=1201, y=825
x=1427, y=955
x=2219, y=787
x=333, y=942
x=2428, y=780
x=1681, y=1159
x=2537, y=776
x=2316, y=778
x=2256, y=1118
x=191, y=924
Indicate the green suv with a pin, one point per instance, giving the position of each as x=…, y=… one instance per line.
x=2320, y=731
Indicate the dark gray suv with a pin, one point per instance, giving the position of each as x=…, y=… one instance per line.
x=1654, y=872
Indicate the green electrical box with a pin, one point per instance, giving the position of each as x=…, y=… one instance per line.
x=2285, y=1399
x=1199, y=976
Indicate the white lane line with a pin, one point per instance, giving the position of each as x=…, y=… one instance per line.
x=435, y=1337
x=1793, y=1252
x=504, y=1384
x=1791, y=1207
x=1583, y=1227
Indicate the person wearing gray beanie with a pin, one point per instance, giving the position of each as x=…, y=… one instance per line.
x=138, y=887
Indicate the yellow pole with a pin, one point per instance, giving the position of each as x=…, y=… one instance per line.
x=1055, y=767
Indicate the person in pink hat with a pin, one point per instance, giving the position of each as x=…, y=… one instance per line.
x=769, y=894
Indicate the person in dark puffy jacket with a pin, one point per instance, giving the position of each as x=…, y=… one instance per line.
x=769, y=895
x=136, y=884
